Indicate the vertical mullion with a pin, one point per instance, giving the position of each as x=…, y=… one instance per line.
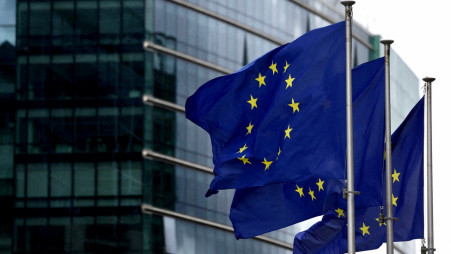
x=50, y=123
x=72, y=198
x=27, y=119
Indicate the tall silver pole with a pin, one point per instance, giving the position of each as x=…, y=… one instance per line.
x=430, y=202
x=388, y=158
x=349, y=130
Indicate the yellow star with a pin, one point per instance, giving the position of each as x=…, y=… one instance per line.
x=395, y=176
x=253, y=102
x=261, y=80
x=273, y=67
x=393, y=200
x=249, y=128
x=364, y=229
x=278, y=153
x=244, y=160
x=380, y=223
x=289, y=81
x=287, y=132
x=267, y=163
x=311, y=193
x=285, y=67
x=340, y=212
x=300, y=191
x=320, y=184
x=294, y=105
x=242, y=149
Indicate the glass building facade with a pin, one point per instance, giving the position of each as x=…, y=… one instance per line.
x=73, y=124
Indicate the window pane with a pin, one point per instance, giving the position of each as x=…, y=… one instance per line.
x=107, y=179
x=131, y=178
x=86, y=22
x=40, y=20
x=109, y=27
x=60, y=179
x=84, y=179
x=37, y=180
x=63, y=23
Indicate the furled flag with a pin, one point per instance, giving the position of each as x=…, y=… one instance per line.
x=257, y=210
x=407, y=200
x=279, y=118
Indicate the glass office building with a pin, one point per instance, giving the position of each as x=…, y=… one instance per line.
x=73, y=125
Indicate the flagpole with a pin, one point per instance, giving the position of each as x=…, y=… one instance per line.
x=388, y=157
x=349, y=192
x=430, y=202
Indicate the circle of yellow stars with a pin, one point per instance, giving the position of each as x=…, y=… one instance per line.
x=253, y=102
x=294, y=105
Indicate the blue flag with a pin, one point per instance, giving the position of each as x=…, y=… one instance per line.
x=280, y=118
x=328, y=230
x=407, y=199
x=258, y=210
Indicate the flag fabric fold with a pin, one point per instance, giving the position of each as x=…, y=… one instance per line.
x=258, y=210
x=407, y=199
x=328, y=230
x=280, y=118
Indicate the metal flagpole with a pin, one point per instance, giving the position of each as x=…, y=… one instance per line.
x=430, y=202
x=349, y=192
x=388, y=158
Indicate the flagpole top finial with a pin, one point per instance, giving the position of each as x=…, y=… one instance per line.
x=347, y=2
x=386, y=42
x=428, y=79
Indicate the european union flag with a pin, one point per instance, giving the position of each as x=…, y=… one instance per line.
x=279, y=118
x=323, y=237
x=407, y=199
x=258, y=210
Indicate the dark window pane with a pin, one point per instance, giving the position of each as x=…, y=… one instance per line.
x=62, y=131
x=133, y=22
x=63, y=23
x=38, y=77
x=132, y=75
x=130, y=133
x=87, y=22
x=86, y=76
x=85, y=130
x=108, y=82
x=110, y=18
x=40, y=19
x=62, y=84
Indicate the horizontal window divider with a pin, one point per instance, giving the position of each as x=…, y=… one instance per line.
x=151, y=155
x=152, y=101
x=227, y=20
x=328, y=19
x=150, y=46
x=260, y=34
x=152, y=210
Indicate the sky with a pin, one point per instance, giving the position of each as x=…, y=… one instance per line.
x=420, y=30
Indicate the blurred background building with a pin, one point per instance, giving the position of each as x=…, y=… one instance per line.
x=73, y=124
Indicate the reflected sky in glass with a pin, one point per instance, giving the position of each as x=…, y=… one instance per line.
x=8, y=21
